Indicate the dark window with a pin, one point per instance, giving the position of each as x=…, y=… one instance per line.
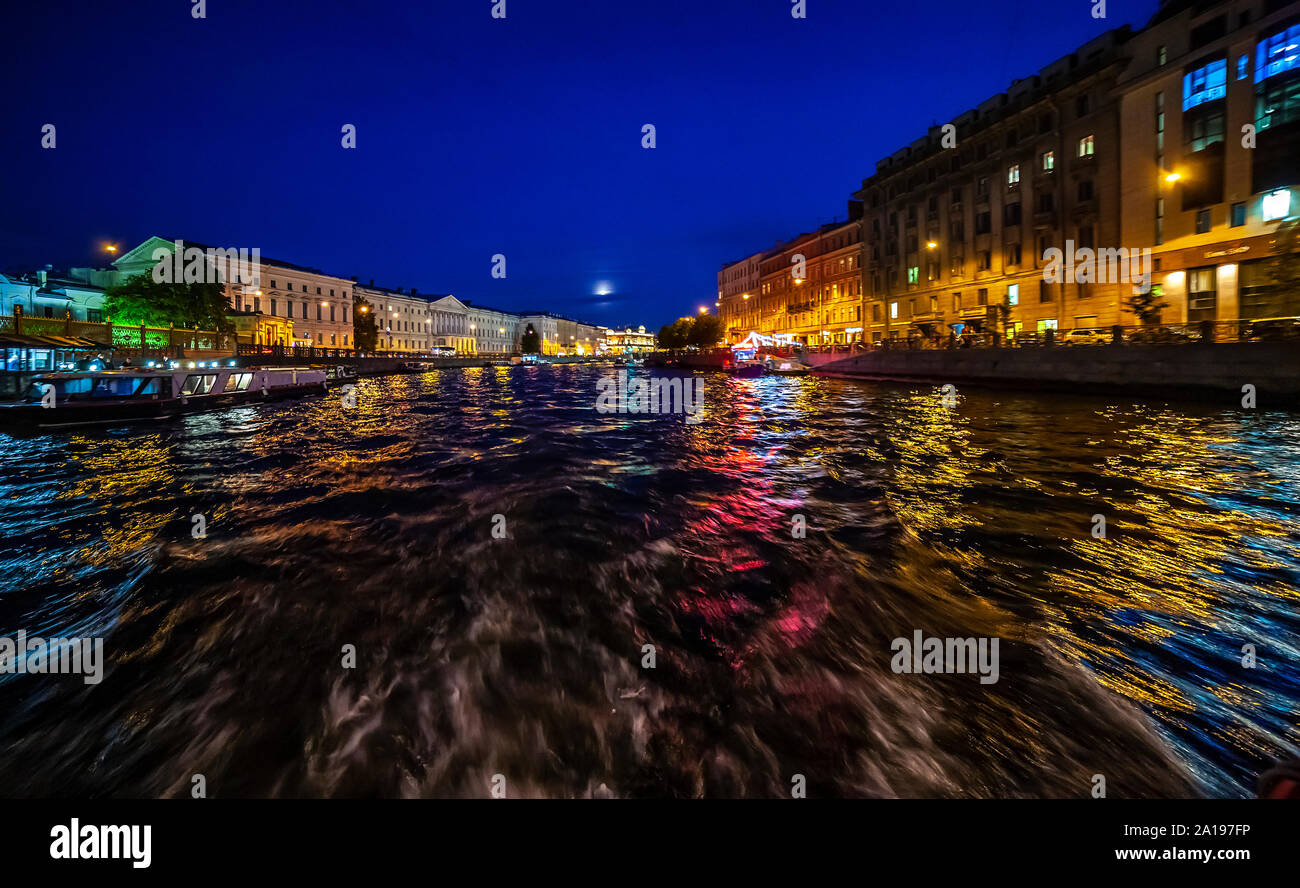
x=1085, y=190
x=1202, y=221
x=1238, y=215
x=1012, y=211
x=1081, y=106
x=983, y=223
x=1209, y=32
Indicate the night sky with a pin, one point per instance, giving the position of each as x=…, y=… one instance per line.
x=478, y=136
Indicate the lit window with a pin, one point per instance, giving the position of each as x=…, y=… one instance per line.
x=1013, y=174
x=1277, y=205
x=1013, y=294
x=1278, y=53
x=1205, y=84
x=1086, y=146
x=893, y=310
x=1049, y=161
x=1243, y=67
x=914, y=274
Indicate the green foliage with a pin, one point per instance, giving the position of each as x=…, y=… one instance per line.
x=1147, y=306
x=142, y=300
x=706, y=330
x=530, y=342
x=677, y=334
x=365, y=331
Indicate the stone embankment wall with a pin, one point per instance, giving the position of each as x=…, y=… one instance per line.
x=1273, y=368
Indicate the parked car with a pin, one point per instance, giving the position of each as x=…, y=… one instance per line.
x=1084, y=336
x=1273, y=329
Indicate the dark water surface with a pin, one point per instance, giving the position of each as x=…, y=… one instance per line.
x=522, y=656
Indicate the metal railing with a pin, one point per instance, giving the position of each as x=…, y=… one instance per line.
x=121, y=338
x=1196, y=332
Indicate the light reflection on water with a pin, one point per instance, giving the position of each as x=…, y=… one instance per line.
x=522, y=656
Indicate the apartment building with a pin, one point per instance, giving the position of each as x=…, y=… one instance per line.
x=1211, y=120
x=737, y=297
x=959, y=224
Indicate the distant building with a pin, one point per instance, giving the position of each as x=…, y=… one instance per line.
x=47, y=294
x=628, y=340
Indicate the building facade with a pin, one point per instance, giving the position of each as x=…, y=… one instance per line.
x=738, y=297
x=1147, y=176
x=959, y=226
x=48, y=294
x=318, y=305
x=1211, y=122
x=403, y=319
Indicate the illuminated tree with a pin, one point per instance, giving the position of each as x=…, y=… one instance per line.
x=142, y=300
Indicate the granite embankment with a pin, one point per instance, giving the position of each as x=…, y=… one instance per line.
x=1273, y=368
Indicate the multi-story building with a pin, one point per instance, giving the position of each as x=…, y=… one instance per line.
x=627, y=340
x=494, y=331
x=958, y=225
x=404, y=319
x=318, y=304
x=809, y=289
x=1211, y=121
x=737, y=297
x=48, y=294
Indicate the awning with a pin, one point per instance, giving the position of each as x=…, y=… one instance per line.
x=69, y=343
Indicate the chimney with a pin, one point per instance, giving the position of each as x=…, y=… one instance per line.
x=413, y=291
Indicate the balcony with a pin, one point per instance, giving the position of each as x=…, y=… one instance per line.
x=972, y=312
x=1045, y=219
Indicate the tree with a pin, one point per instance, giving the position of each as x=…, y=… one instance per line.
x=530, y=343
x=706, y=330
x=142, y=300
x=1146, y=305
x=666, y=338
x=365, y=331
x=677, y=334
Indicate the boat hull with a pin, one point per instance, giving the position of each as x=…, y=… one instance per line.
x=86, y=413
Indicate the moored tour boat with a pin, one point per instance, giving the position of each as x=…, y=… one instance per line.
x=59, y=400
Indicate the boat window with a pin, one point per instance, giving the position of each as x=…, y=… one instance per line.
x=198, y=383
x=150, y=386
x=114, y=387
x=238, y=382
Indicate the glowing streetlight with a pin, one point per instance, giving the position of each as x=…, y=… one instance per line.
x=703, y=310
x=932, y=245
x=1173, y=177
x=110, y=248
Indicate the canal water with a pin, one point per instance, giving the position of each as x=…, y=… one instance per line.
x=371, y=529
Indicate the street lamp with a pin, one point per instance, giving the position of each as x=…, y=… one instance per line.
x=932, y=245
x=1173, y=177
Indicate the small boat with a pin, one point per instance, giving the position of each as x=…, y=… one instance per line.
x=61, y=400
x=788, y=368
x=746, y=371
x=337, y=374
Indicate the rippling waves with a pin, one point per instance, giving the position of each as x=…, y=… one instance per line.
x=522, y=656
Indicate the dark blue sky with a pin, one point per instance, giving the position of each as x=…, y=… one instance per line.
x=478, y=136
